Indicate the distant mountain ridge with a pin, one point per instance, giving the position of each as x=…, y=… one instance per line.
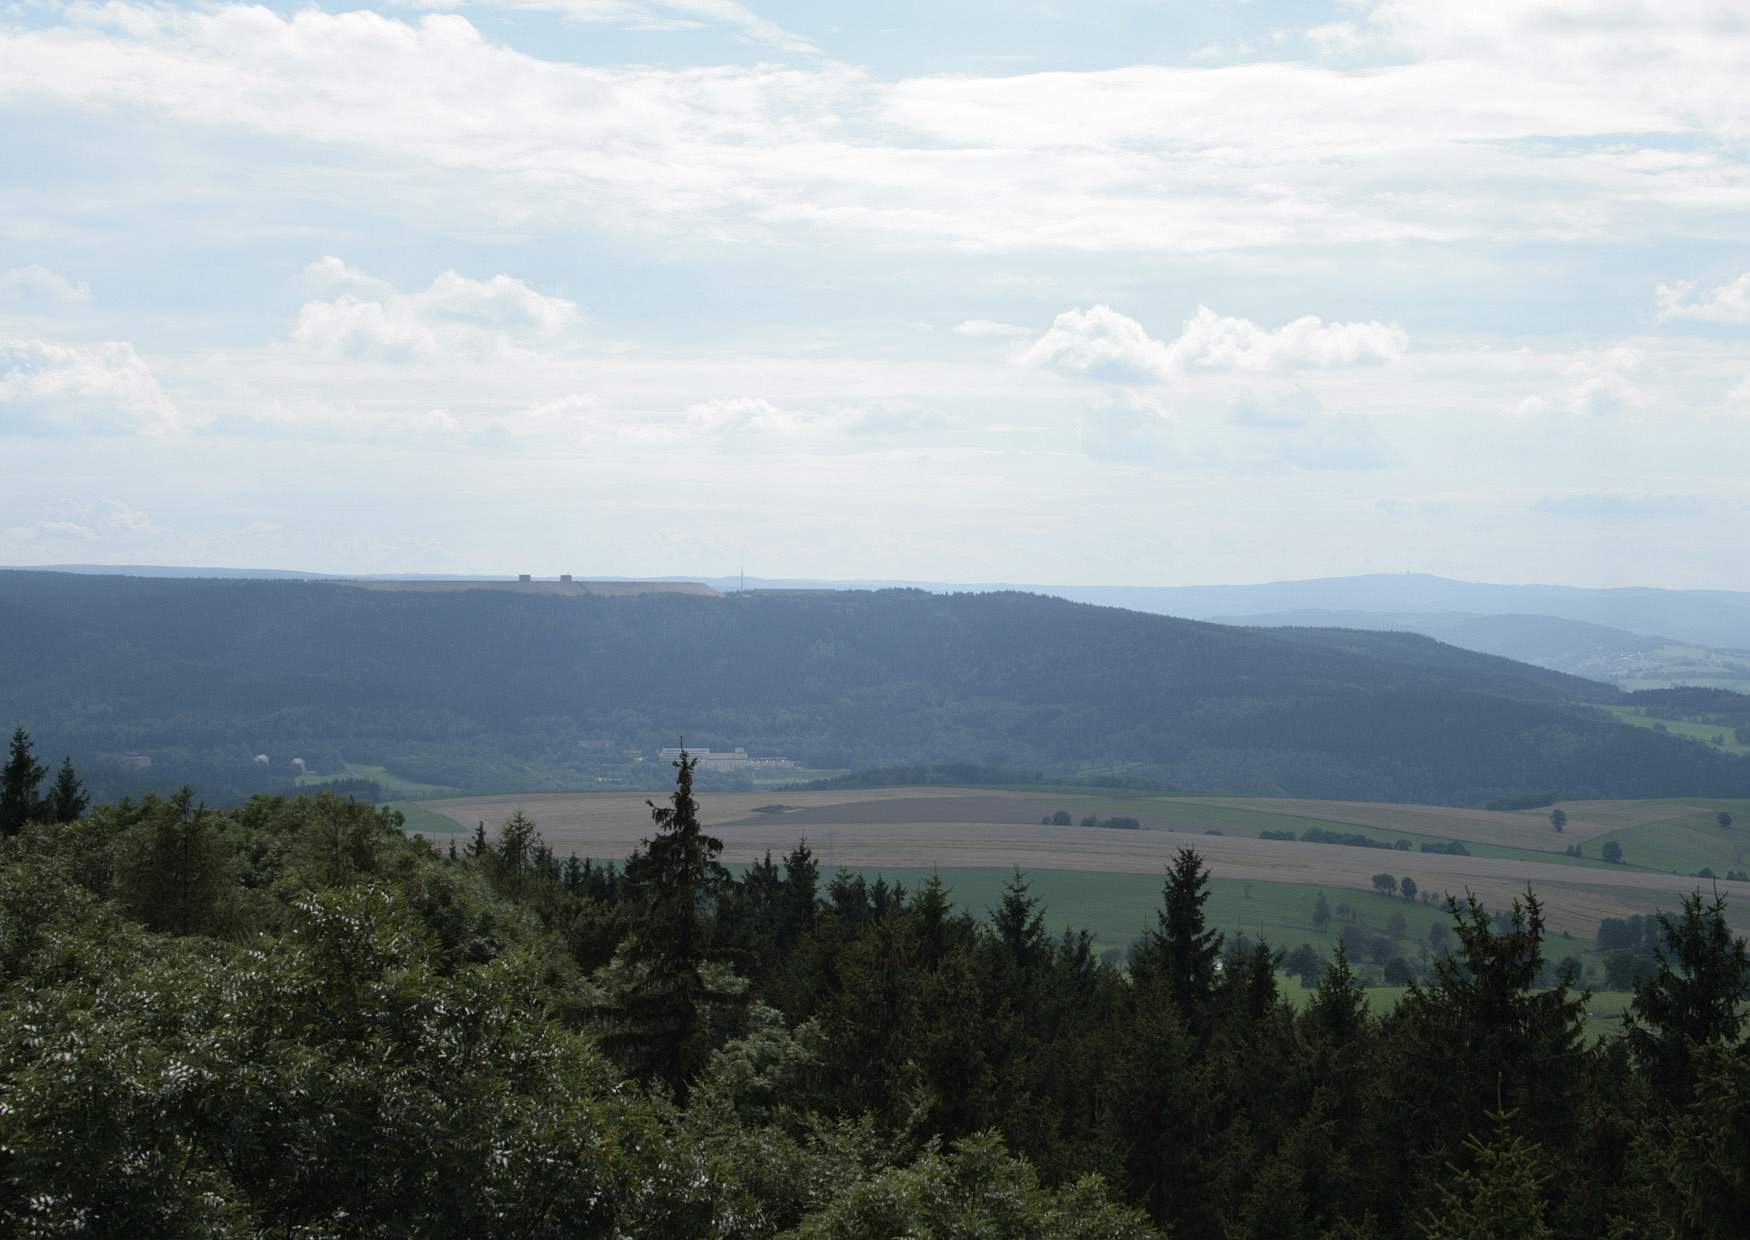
x=1547, y=641
x=497, y=689
x=1709, y=617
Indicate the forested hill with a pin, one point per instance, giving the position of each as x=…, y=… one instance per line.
x=492, y=689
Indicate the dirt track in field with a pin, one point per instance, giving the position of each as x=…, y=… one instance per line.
x=952, y=828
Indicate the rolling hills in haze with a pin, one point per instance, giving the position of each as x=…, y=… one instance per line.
x=490, y=689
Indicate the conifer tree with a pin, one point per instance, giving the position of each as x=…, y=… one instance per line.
x=68, y=797
x=1499, y=1198
x=19, y=782
x=1694, y=998
x=479, y=846
x=1180, y=949
x=1338, y=1009
x=673, y=882
x=1020, y=924
x=178, y=877
x=1502, y=1043
x=801, y=881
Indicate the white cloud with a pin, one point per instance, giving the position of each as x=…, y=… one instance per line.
x=1728, y=303
x=106, y=386
x=110, y=520
x=988, y=329
x=1637, y=132
x=1741, y=393
x=753, y=415
x=37, y=283
x=650, y=15
x=1604, y=384
x=1214, y=342
x=573, y=412
x=1103, y=344
x=331, y=275
x=740, y=413
x=454, y=315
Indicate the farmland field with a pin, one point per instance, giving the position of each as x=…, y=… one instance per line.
x=1115, y=908
x=384, y=778
x=1108, y=879
x=1717, y=735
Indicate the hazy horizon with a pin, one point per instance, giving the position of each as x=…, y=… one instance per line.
x=848, y=581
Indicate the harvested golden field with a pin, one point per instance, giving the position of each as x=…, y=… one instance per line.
x=954, y=828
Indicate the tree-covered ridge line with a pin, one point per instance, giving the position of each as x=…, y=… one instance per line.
x=483, y=690
x=288, y=1018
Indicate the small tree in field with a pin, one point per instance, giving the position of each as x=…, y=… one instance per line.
x=1724, y=819
x=1558, y=819
x=1407, y=887
x=1385, y=884
x=1611, y=852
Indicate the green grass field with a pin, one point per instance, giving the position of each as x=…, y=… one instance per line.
x=1686, y=844
x=382, y=776
x=421, y=821
x=1636, y=716
x=1604, y=1010
x=1115, y=908
x=1679, y=663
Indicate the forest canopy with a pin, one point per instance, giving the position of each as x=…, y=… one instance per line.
x=289, y=1018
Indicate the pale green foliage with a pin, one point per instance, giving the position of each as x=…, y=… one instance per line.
x=1500, y=1198
x=172, y=1086
x=976, y=1191
x=766, y=1064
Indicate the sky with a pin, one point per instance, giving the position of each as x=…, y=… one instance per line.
x=1107, y=292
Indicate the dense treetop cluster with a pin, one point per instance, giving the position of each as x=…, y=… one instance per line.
x=289, y=1019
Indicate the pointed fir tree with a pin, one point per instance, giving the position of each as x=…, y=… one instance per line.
x=68, y=797
x=800, y=884
x=19, y=782
x=673, y=882
x=479, y=846
x=1019, y=923
x=1500, y=1197
x=1338, y=1009
x=1181, y=949
x=1695, y=998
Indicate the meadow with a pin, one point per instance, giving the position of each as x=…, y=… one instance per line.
x=1716, y=735
x=1108, y=880
x=384, y=778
